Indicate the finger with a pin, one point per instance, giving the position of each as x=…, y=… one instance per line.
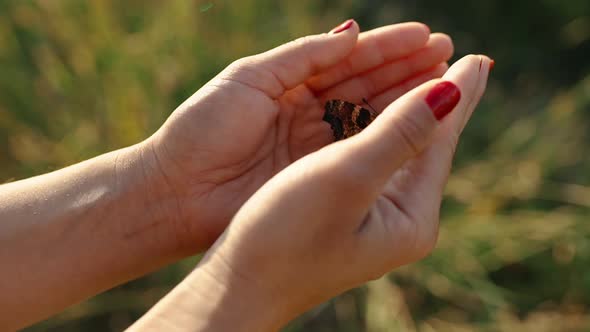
x=434, y=163
x=439, y=49
x=385, y=98
x=401, y=132
x=374, y=48
x=432, y=167
x=289, y=65
x=407, y=126
x=471, y=75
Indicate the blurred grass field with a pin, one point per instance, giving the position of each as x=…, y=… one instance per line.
x=80, y=78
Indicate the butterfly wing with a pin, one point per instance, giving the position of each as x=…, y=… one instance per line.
x=347, y=119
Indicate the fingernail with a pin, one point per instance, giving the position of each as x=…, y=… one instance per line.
x=347, y=24
x=492, y=64
x=443, y=98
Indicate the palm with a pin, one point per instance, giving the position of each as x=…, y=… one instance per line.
x=235, y=133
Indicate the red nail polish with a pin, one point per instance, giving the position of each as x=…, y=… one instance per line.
x=492, y=64
x=347, y=24
x=443, y=98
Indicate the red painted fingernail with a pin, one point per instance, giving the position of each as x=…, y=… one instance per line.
x=492, y=64
x=443, y=98
x=347, y=24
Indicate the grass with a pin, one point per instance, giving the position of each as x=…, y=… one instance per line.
x=81, y=78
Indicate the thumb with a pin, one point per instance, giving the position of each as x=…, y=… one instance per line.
x=403, y=129
x=289, y=65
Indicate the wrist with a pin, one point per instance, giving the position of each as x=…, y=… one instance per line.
x=151, y=204
x=213, y=298
x=85, y=228
x=235, y=301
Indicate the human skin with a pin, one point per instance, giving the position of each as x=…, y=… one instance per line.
x=73, y=233
x=338, y=217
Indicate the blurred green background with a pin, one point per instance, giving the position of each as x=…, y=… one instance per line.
x=79, y=78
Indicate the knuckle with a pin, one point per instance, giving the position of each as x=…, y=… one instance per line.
x=410, y=132
x=369, y=85
x=473, y=59
x=303, y=42
x=241, y=64
x=305, y=46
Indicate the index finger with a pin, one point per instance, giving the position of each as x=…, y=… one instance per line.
x=470, y=74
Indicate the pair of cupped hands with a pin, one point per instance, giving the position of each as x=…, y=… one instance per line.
x=248, y=165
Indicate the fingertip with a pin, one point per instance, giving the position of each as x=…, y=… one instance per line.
x=347, y=26
x=442, y=35
x=422, y=26
x=470, y=74
x=344, y=37
x=348, y=30
x=468, y=66
x=426, y=28
x=444, y=42
x=487, y=63
x=407, y=36
x=470, y=69
x=423, y=29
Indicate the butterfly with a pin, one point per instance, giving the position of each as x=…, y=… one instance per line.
x=347, y=119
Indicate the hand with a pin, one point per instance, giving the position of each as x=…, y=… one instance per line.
x=265, y=111
x=351, y=211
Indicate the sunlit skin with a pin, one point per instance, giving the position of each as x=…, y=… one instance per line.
x=264, y=112
x=250, y=147
x=332, y=220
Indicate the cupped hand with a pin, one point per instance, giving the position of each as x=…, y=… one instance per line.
x=265, y=111
x=355, y=209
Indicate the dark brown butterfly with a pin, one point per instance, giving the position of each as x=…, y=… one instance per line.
x=347, y=119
